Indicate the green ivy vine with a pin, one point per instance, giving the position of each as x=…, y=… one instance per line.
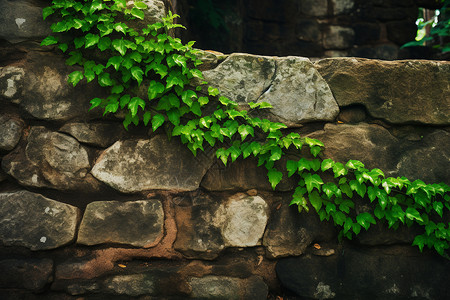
x=97, y=35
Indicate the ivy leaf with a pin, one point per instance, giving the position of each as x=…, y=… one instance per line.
x=147, y=117
x=75, y=57
x=133, y=105
x=360, y=188
x=140, y=5
x=63, y=47
x=348, y=224
x=91, y=40
x=339, y=170
x=137, y=13
x=117, y=89
x=365, y=219
x=115, y=61
x=157, y=121
x=95, y=102
x=354, y=164
x=124, y=100
x=119, y=45
x=195, y=108
x=356, y=228
x=154, y=89
x=438, y=207
x=312, y=181
x=274, y=177
x=104, y=79
x=213, y=91
x=187, y=97
x=411, y=213
x=174, y=116
x=315, y=200
x=104, y=43
x=137, y=74
x=75, y=77
x=315, y=150
x=326, y=164
x=50, y=40
x=339, y=218
x=47, y=11
x=121, y=27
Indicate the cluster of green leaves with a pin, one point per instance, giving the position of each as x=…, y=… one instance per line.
x=151, y=59
x=439, y=29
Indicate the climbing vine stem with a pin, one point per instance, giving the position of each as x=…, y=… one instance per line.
x=100, y=36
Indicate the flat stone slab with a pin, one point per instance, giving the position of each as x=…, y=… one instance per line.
x=292, y=85
x=136, y=223
x=137, y=165
x=396, y=91
x=33, y=221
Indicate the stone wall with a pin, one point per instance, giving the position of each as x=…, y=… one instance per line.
x=311, y=28
x=90, y=210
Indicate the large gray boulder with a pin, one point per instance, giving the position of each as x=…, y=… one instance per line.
x=137, y=165
x=53, y=160
x=33, y=221
x=396, y=91
x=291, y=85
x=136, y=223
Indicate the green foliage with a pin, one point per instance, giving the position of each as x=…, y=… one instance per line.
x=439, y=29
x=152, y=61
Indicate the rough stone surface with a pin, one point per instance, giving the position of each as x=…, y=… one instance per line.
x=206, y=227
x=386, y=88
x=373, y=145
x=39, y=85
x=428, y=160
x=131, y=285
x=242, y=220
x=33, y=221
x=223, y=287
x=22, y=20
x=30, y=274
x=338, y=37
x=95, y=134
x=342, y=6
x=10, y=131
x=51, y=159
x=137, y=223
x=136, y=165
x=289, y=233
x=391, y=273
x=154, y=12
x=316, y=8
x=290, y=84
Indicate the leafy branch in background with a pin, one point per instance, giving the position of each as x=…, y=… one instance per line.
x=180, y=101
x=438, y=27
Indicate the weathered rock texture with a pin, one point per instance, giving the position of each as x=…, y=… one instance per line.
x=398, y=92
x=36, y=222
x=51, y=159
x=291, y=85
x=156, y=163
x=110, y=222
x=89, y=210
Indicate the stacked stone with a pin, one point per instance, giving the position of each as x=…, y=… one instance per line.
x=89, y=209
